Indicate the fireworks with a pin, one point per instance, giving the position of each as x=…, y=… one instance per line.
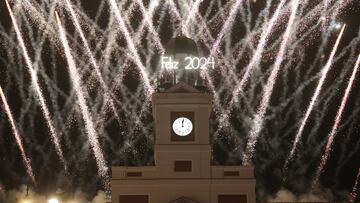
x=18, y=139
x=353, y=192
x=131, y=47
x=92, y=59
x=334, y=129
x=259, y=116
x=314, y=98
x=90, y=127
x=34, y=81
x=268, y=56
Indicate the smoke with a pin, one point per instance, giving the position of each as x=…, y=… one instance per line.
x=100, y=197
x=2, y=193
x=284, y=195
x=20, y=195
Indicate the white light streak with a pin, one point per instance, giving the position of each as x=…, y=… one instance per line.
x=333, y=132
x=26, y=160
x=90, y=128
x=324, y=71
x=259, y=117
x=353, y=194
x=36, y=86
x=131, y=47
x=92, y=59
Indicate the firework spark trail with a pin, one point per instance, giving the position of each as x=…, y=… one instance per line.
x=122, y=88
x=125, y=104
x=49, y=82
x=336, y=85
x=259, y=116
x=224, y=119
x=70, y=101
x=43, y=23
x=192, y=13
x=255, y=61
x=36, y=86
x=174, y=13
x=148, y=16
x=319, y=12
x=313, y=99
x=39, y=19
x=327, y=97
x=26, y=160
x=353, y=193
x=108, y=49
x=206, y=37
x=37, y=15
x=326, y=4
x=259, y=29
x=228, y=23
x=333, y=132
x=132, y=48
x=344, y=145
x=90, y=128
x=147, y=21
x=29, y=9
x=323, y=15
x=108, y=97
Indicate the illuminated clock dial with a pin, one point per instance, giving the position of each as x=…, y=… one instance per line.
x=182, y=126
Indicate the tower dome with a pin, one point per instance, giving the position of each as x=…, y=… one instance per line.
x=179, y=52
x=181, y=45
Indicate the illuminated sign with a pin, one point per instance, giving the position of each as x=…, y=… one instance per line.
x=191, y=63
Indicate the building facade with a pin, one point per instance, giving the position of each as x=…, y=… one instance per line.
x=182, y=171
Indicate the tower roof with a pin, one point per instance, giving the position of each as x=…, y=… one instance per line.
x=182, y=87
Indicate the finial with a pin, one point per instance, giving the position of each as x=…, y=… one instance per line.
x=181, y=29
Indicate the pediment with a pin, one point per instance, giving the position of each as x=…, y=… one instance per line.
x=182, y=87
x=183, y=200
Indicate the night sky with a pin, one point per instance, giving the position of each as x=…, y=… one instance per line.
x=126, y=137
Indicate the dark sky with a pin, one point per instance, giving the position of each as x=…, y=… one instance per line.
x=129, y=139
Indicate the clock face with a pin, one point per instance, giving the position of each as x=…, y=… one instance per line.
x=182, y=126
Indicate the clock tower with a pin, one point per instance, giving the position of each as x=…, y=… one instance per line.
x=182, y=146
x=182, y=171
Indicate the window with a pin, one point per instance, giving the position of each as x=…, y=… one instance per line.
x=133, y=174
x=134, y=199
x=231, y=173
x=233, y=198
x=182, y=166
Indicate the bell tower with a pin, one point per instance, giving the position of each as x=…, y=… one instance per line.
x=182, y=146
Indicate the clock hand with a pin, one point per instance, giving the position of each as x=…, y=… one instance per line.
x=182, y=123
